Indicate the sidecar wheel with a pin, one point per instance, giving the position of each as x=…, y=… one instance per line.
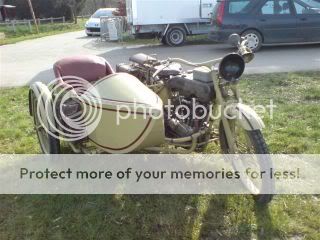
x=258, y=147
x=48, y=143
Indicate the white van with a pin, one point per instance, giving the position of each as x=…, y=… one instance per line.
x=170, y=20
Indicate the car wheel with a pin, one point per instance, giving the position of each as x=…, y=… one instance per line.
x=176, y=36
x=89, y=35
x=254, y=40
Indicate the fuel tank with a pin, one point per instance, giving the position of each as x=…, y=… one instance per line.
x=189, y=88
x=131, y=115
x=198, y=84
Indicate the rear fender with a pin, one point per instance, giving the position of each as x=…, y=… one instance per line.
x=45, y=109
x=246, y=116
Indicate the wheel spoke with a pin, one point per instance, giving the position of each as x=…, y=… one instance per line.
x=39, y=127
x=243, y=147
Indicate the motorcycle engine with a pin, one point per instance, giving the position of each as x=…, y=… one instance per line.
x=192, y=97
x=184, y=117
x=188, y=92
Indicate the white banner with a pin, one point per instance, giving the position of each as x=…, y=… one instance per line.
x=159, y=174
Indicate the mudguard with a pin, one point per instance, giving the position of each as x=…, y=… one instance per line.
x=246, y=116
x=44, y=98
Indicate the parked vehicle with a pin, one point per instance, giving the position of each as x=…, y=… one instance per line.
x=7, y=12
x=155, y=104
x=170, y=21
x=92, y=26
x=267, y=22
x=204, y=84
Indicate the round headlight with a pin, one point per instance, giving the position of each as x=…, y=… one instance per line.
x=232, y=67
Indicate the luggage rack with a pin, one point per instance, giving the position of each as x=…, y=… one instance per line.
x=112, y=28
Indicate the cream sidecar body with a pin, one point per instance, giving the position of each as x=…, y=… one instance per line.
x=131, y=115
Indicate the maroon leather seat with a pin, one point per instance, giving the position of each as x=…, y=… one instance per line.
x=88, y=67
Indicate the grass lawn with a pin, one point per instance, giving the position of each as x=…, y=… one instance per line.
x=294, y=129
x=47, y=29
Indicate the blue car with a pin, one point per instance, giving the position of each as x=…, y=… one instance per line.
x=267, y=22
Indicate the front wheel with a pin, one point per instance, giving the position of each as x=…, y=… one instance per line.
x=249, y=142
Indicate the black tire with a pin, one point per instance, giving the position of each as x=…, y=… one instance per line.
x=255, y=39
x=30, y=103
x=255, y=136
x=163, y=41
x=260, y=148
x=176, y=36
x=89, y=35
x=48, y=143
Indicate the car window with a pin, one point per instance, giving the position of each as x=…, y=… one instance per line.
x=307, y=7
x=276, y=7
x=312, y=3
x=238, y=6
x=102, y=13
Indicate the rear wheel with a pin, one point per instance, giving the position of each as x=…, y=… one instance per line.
x=254, y=40
x=48, y=143
x=176, y=36
x=249, y=142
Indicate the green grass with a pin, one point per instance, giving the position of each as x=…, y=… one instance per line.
x=46, y=29
x=294, y=129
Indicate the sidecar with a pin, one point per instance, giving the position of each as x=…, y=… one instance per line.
x=90, y=106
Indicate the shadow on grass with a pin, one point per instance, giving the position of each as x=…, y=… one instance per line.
x=237, y=217
x=213, y=225
x=128, y=217
x=228, y=217
x=265, y=227
x=97, y=217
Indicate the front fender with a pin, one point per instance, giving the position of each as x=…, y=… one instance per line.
x=246, y=116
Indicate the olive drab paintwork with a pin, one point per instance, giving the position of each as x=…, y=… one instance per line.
x=126, y=124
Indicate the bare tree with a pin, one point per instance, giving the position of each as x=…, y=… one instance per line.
x=75, y=7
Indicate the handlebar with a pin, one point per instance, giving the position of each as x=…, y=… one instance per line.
x=242, y=49
x=191, y=64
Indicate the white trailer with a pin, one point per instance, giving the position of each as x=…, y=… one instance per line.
x=169, y=20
